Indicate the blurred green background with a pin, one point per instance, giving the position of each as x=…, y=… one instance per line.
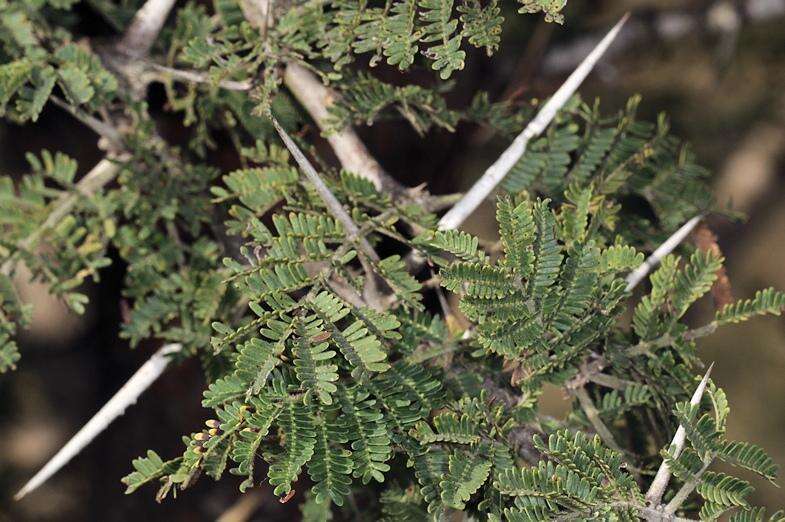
x=716, y=68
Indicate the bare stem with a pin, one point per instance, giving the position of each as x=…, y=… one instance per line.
x=125, y=396
x=144, y=28
x=99, y=127
x=483, y=187
x=351, y=152
x=610, y=381
x=197, y=77
x=663, y=476
x=667, y=339
x=594, y=417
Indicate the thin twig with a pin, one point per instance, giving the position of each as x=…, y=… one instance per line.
x=197, y=77
x=637, y=275
x=663, y=476
x=346, y=292
x=435, y=203
x=329, y=199
x=594, y=418
x=104, y=172
x=114, y=408
x=610, y=381
x=102, y=129
x=372, y=293
x=668, y=339
x=144, y=28
x=496, y=172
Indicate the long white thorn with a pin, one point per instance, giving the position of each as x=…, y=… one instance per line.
x=136, y=42
x=125, y=396
x=637, y=275
x=496, y=172
x=663, y=476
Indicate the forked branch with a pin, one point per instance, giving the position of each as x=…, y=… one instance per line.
x=350, y=150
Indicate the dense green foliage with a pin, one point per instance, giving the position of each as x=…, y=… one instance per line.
x=355, y=377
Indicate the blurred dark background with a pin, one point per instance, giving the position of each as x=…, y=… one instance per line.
x=717, y=69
